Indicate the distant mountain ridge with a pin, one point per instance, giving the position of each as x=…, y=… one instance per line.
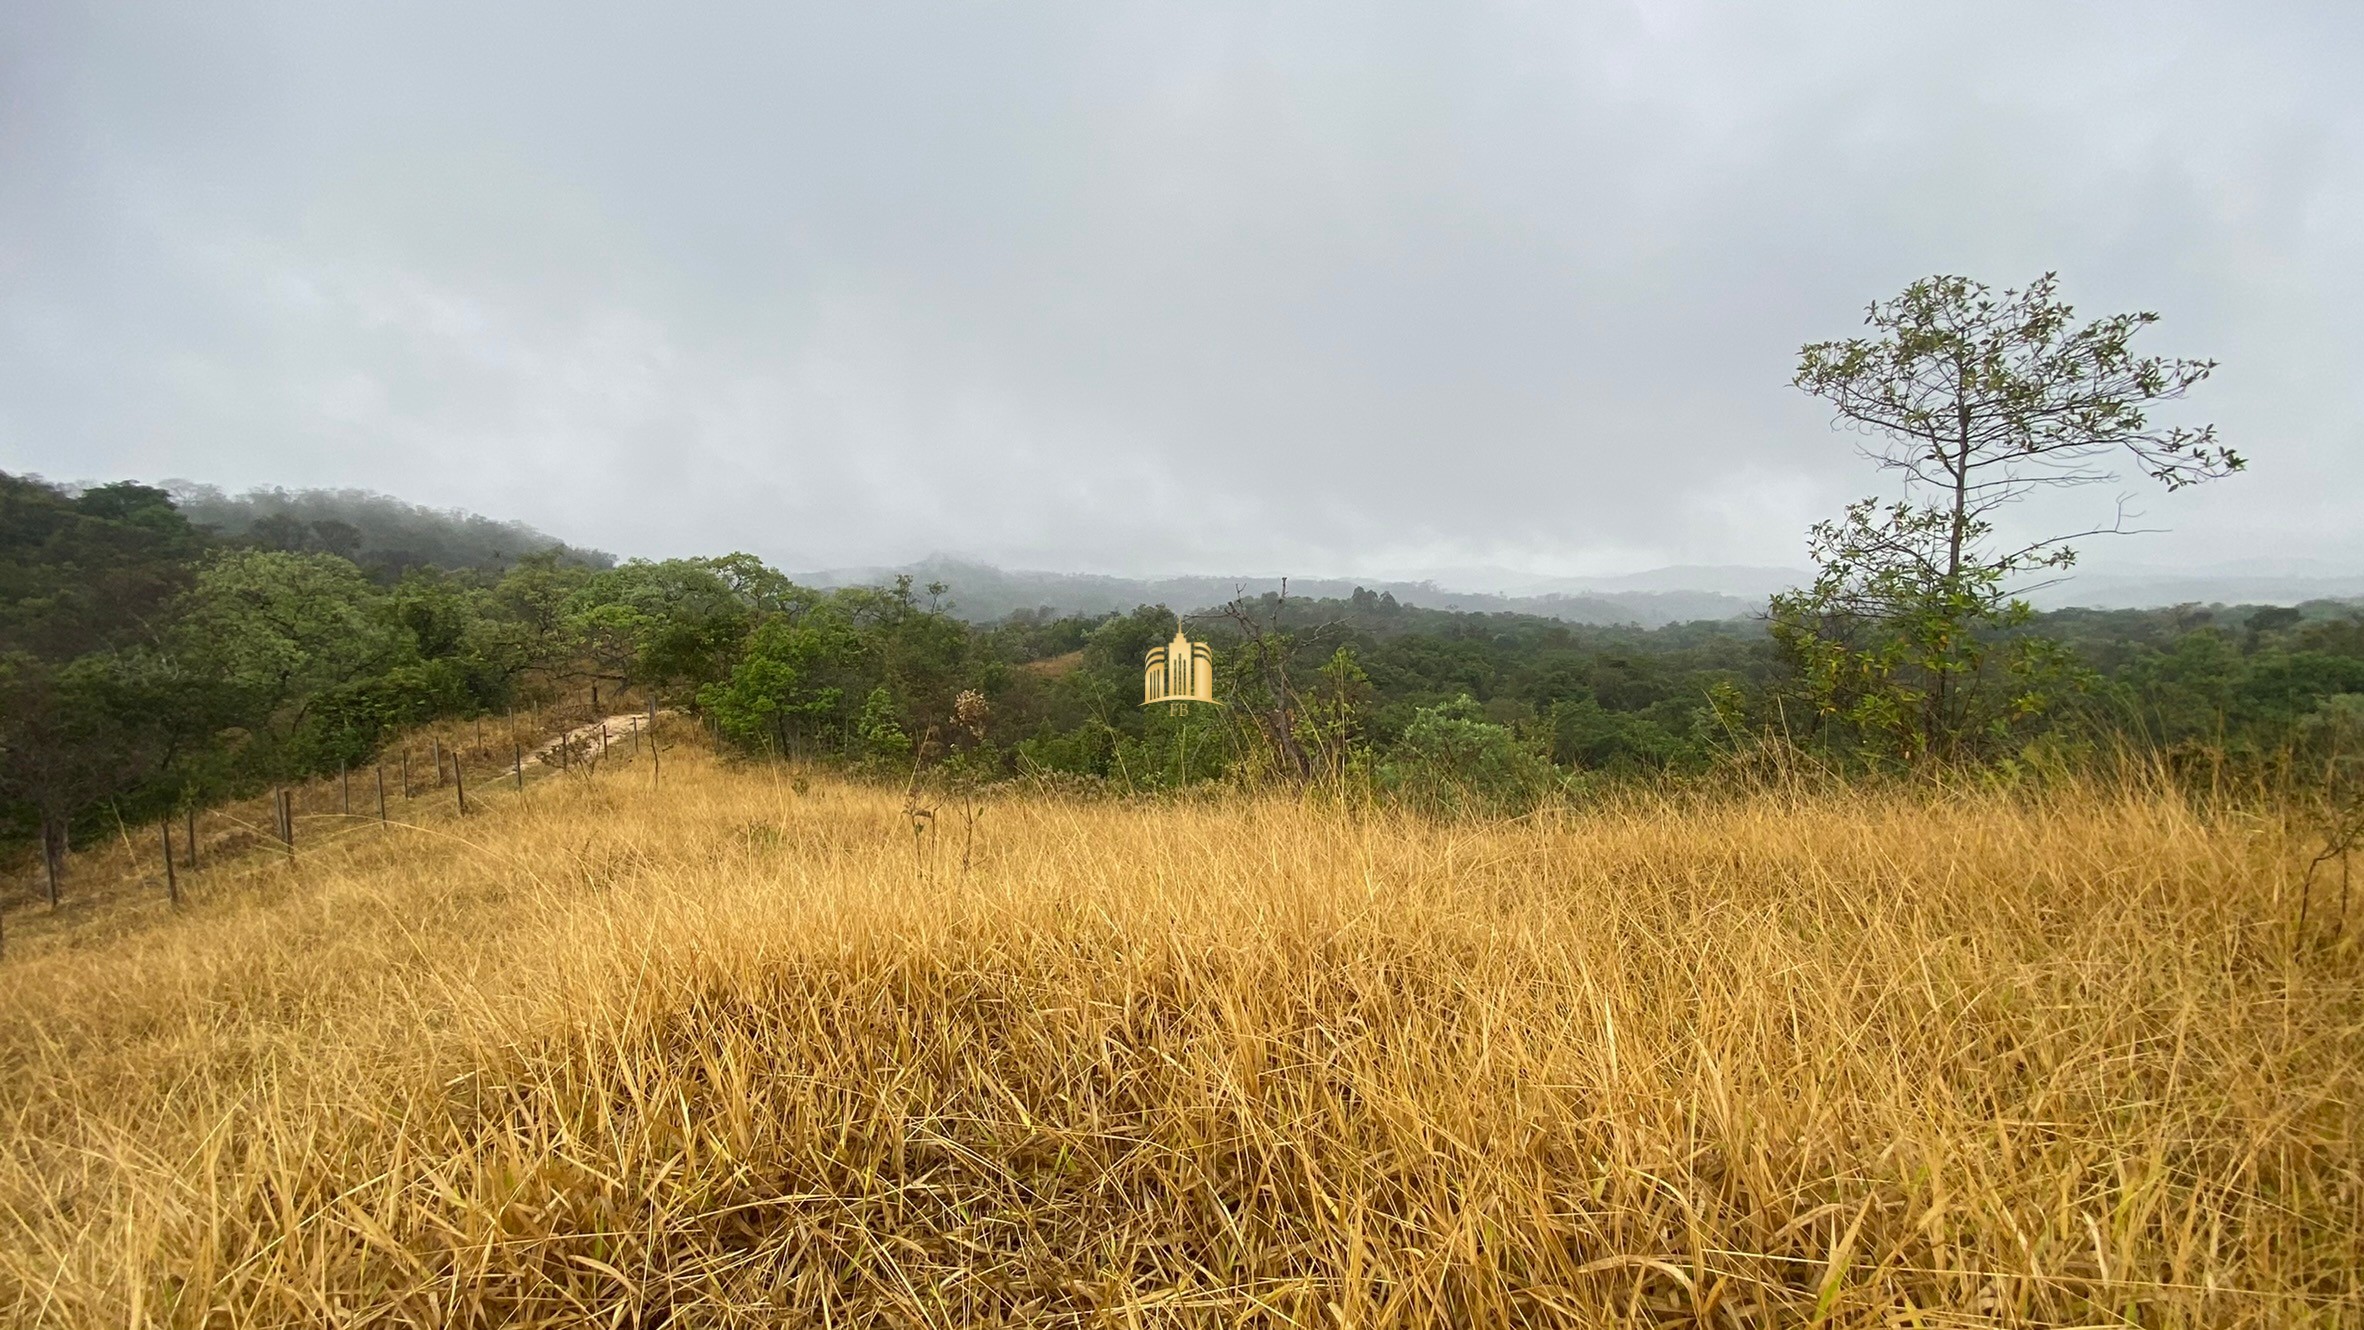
x=982, y=593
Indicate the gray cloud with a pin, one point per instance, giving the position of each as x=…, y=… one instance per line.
x=1325, y=289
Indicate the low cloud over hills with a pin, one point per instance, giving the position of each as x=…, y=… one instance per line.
x=981, y=592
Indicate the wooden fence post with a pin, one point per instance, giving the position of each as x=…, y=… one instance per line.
x=381, y=793
x=344, y=789
x=435, y=743
x=52, y=853
x=459, y=783
x=517, y=751
x=172, y=882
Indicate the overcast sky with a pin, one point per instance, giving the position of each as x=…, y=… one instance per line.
x=1203, y=287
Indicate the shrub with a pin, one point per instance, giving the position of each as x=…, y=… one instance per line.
x=1453, y=760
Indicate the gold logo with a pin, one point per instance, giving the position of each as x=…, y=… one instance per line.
x=1180, y=671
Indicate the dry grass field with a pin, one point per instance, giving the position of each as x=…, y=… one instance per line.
x=748, y=1050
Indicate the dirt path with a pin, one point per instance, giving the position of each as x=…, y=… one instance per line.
x=617, y=728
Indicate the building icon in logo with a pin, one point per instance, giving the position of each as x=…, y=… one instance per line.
x=1179, y=672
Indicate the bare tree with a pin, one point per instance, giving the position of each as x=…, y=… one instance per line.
x=1265, y=695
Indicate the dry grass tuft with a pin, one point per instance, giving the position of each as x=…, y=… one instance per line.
x=731, y=1054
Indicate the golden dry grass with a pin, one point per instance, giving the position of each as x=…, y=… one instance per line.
x=732, y=1053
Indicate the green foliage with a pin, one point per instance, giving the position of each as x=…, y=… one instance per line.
x=385, y=537
x=1170, y=749
x=1901, y=660
x=1088, y=750
x=1453, y=760
x=280, y=630
x=1333, y=724
x=789, y=686
x=90, y=571
x=146, y=665
x=1588, y=736
x=1910, y=643
x=879, y=730
x=2010, y=388
x=679, y=621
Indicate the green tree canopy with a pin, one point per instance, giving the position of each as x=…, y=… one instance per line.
x=1908, y=636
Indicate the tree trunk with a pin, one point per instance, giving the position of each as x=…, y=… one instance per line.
x=1937, y=714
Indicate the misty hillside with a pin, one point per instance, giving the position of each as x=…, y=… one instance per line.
x=381, y=533
x=386, y=535
x=981, y=593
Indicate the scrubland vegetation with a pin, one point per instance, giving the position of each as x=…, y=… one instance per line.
x=760, y=1045
x=1903, y=957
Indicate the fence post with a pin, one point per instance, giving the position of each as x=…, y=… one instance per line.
x=172, y=881
x=344, y=789
x=435, y=743
x=517, y=751
x=381, y=793
x=52, y=853
x=459, y=783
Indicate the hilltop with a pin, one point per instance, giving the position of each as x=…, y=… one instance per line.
x=382, y=534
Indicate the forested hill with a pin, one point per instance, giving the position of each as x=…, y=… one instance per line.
x=381, y=534
x=148, y=663
x=981, y=593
